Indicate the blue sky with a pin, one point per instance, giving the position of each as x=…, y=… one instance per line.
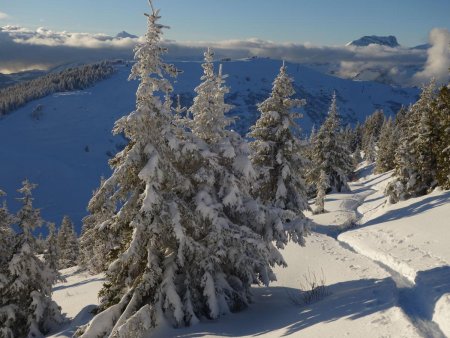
x=327, y=22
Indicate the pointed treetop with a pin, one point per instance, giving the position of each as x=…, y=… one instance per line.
x=282, y=93
x=313, y=134
x=208, y=57
x=179, y=109
x=333, y=106
x=155, y=12
x=27, y=188
x=151, y=5
x=51, y=228
x=209, y=54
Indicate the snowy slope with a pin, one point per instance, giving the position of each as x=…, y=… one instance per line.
x=12, y=79
x=66, y=151
x=366, y=297
x=250, y=82
x=410, y=238
x=78, y=297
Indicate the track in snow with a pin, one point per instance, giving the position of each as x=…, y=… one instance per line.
x=411, y=297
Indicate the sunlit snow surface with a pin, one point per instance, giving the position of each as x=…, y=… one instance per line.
x=389, y=277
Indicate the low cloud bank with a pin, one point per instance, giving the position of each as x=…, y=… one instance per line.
x=438, y=61
x=24, y=49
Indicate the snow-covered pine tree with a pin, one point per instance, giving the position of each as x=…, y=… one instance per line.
x=415, y=160
x=350, y=138
x=426, y=142
x=358, y=136
x=371, y=130
x=7, y=235
x=322, y=185
x=441, y=110
x=387, y=145
x=52, y=253
x=370, y=150
x=275, y=150
x=313, y=135
x=331, y=153
x=179, y=258
x=209, y=121
x=98, y=242
x=276, y=155
x=27, y=309
x=232, y=172
x=356, y=157
x=40, y=244
x=67, y=244
x=7, y=243
x=179, y=110
x=307, y=151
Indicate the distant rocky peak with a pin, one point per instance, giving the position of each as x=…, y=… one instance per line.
x=390, y=41
x=123, y=35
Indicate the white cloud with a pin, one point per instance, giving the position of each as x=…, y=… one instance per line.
x=373, y=62
x=25, y=49
x=3, y=16
x=43, y=48
x=438, y=61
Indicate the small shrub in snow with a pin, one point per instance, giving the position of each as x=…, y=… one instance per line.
x=37, y=112
x=312, y=289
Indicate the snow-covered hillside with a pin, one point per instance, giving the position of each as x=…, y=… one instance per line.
x=12, y=79
x=67, y=149
x=388, y=277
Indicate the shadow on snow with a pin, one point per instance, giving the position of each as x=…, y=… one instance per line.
x=418, y=207
x=274, y=309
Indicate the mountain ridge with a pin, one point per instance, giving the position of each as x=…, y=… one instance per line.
x=389, y=41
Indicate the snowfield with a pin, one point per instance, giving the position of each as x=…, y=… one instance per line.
x=388, y=275
x=77, y=297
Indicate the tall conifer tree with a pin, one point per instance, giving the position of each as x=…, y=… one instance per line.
x=332, y=155
x=276, y=155
x=178, y=254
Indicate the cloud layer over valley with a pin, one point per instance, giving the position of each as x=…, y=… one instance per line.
x=25, y=49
